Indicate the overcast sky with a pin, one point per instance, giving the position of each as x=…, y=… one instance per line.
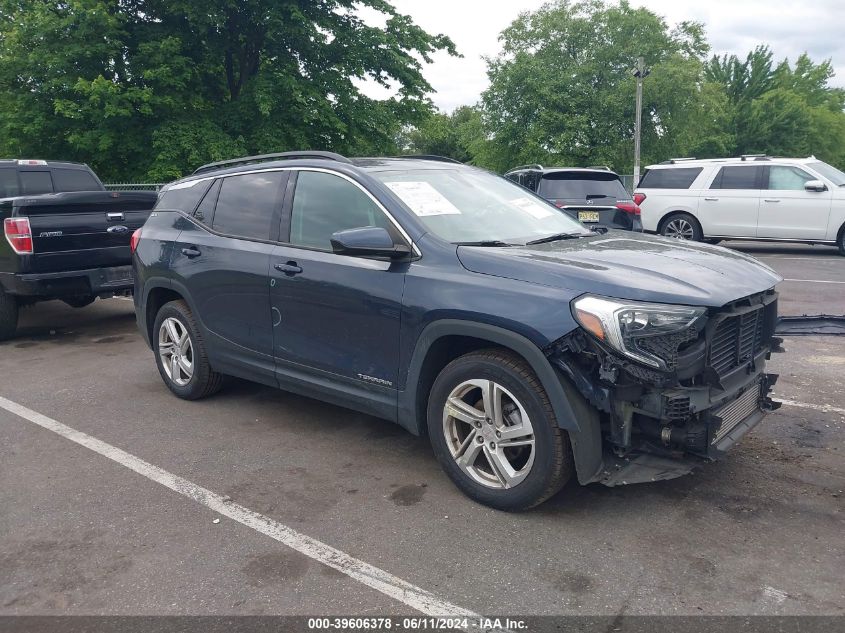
x=733, y=26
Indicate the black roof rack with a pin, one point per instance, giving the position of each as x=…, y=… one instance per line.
x=746, y=157
x=265, y=157
x=534, y=167
x=442, y=159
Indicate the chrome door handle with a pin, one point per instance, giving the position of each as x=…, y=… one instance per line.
x=712, y=199
x=770, y=200
x=191, y=252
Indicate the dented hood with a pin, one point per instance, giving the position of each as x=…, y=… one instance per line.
x=629, y=266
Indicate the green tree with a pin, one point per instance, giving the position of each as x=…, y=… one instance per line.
x=782, y=110
x=152, y=88
x=561, y=90
x=459, y=135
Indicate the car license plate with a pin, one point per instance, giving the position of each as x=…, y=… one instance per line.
x=588, y=216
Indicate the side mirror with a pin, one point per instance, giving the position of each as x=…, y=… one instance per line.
x=815, y=185
x=368, y=241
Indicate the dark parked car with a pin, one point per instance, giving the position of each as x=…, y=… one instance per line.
x=454, y=302
x=594, y=196
x=66, y=237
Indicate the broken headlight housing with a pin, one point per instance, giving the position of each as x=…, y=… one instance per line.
x=626, y=326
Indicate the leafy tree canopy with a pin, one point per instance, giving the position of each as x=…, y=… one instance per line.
x=561, y=93
x=152, y=88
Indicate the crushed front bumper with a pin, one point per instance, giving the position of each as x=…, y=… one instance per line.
x=724, y=426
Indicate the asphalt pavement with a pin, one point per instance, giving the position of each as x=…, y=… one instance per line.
x=118, y=498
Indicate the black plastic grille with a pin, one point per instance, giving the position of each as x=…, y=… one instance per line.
x=736, y=340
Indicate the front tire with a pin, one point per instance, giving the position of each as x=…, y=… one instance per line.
x=494, y=432
x=841, y=242
x=681, y=226
x=8, y=316
x=181, y=355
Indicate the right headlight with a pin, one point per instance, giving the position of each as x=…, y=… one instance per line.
x=623, y=324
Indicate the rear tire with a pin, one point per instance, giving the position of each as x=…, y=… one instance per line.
x=8, y=316
x=180, y=353
x=498, y=439
x=841, y=242
x=681, y=226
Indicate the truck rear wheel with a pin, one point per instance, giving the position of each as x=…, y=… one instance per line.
x=8, y=316
x=494, y=432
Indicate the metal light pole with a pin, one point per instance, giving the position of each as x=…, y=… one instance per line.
x=640, y=72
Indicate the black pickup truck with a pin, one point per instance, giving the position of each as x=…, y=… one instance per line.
x=66, y=237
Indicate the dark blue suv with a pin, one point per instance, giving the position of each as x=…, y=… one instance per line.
x=459, y=304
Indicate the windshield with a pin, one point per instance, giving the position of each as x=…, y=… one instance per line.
x=580, y=186
x=830, y=172
x=462, y=205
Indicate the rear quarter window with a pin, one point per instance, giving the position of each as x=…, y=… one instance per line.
x=673, y=178
x=183, y=199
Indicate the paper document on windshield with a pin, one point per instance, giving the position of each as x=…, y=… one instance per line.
x=423, y=199
x=533, y=208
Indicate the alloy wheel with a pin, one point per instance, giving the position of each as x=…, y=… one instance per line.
x=679, y=228
x=488, y=433
x=176, y=351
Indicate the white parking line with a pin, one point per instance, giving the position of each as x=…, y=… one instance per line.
x=826, y=408
x=378, y=579
x=815, y=281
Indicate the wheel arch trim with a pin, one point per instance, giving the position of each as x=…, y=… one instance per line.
x=533, y=355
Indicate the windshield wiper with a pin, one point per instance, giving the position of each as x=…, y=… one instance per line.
x=555, y=238
x=485, y=243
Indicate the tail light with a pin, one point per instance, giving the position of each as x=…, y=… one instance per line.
x=559, y=204
x=19, y=235
x=133, y=241
x=629, y=207
x=639, y=197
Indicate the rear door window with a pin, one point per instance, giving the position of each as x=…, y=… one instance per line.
x=74, y=180
x=581, y=186
x=680, y=178
x=9, y=183
x=34, y=183
x=246, y=204
x=737, y=177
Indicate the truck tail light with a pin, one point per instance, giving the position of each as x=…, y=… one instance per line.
x=133, y=241
x=629, y=207
x=19, y=235
x=639, y=197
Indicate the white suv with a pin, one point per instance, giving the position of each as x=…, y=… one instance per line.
x=751, y=198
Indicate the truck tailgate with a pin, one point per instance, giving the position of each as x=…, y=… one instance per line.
x=75, y=231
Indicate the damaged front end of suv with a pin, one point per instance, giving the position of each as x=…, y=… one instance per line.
x=675, y=385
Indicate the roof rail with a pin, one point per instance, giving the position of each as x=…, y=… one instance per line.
x=746, y=157
x=442, y=159
x=534, y=167
x=673, y=161
x=265, y=157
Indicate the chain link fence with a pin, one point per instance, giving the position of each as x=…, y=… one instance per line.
x=133, y=186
